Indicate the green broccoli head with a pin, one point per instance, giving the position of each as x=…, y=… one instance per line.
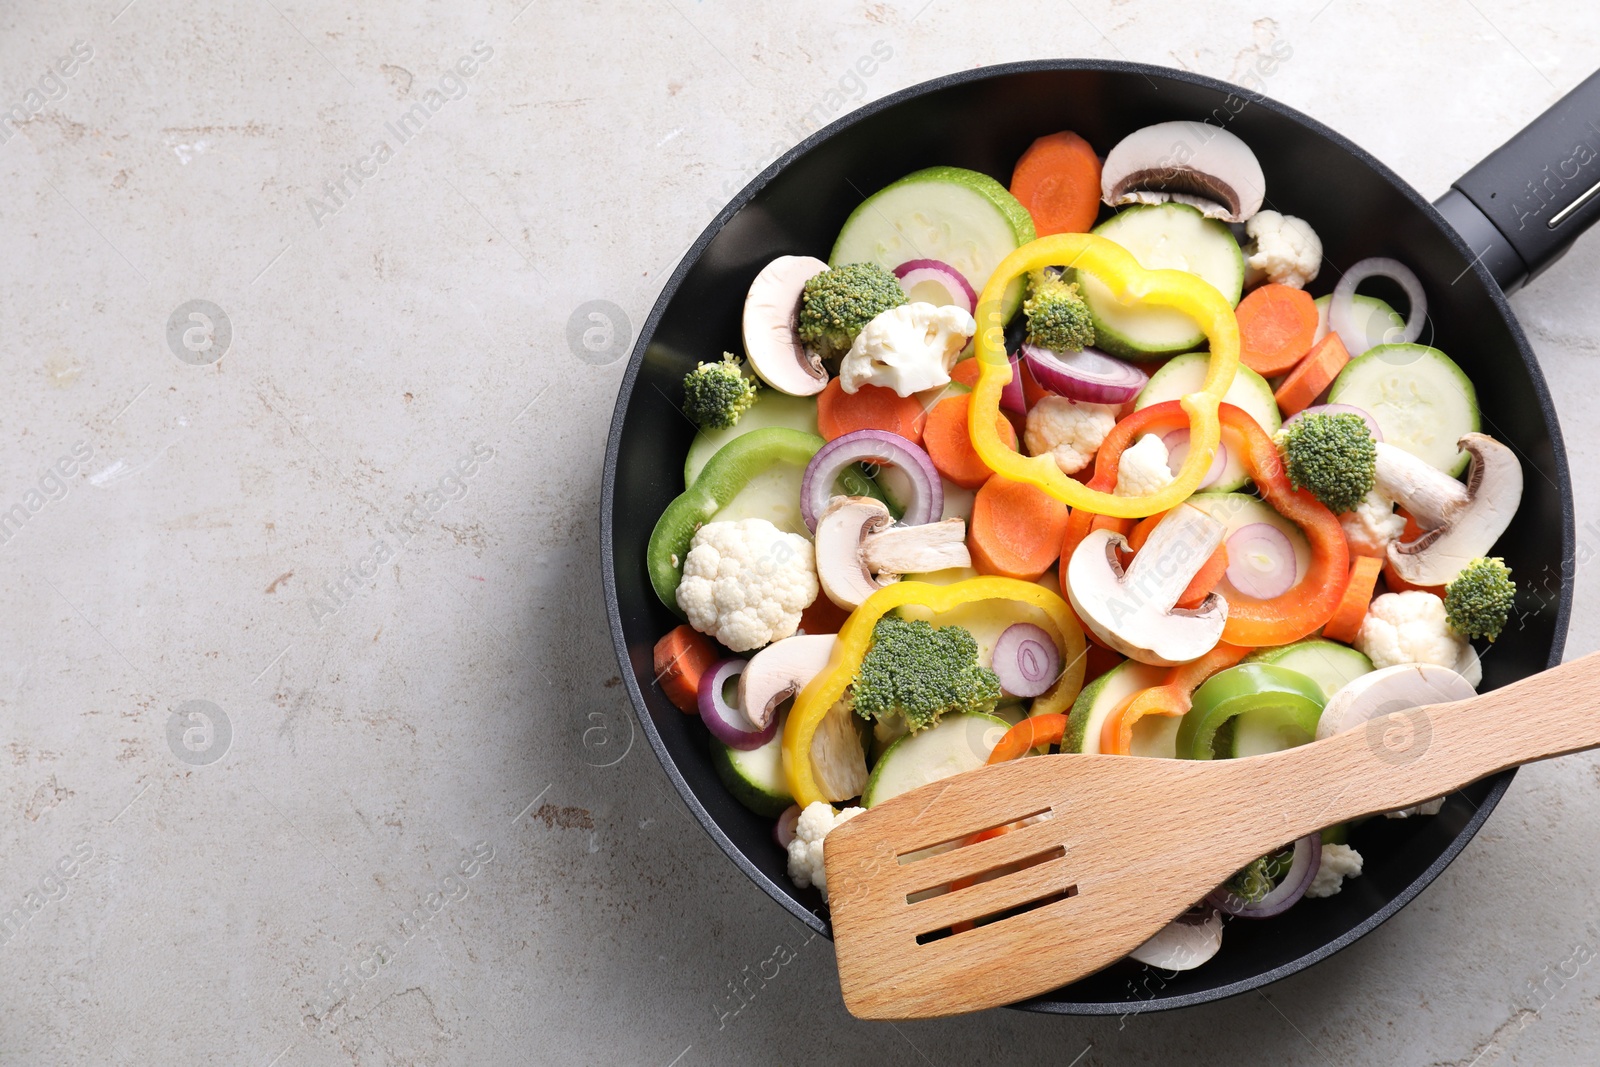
x=1334, y=456
x=1260, y=876
x=1058, y=318
x=837, y=303
x=716, y=394
x=1478, y=601
x=921, y=671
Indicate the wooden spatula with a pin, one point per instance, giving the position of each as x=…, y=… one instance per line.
x=1119, y=845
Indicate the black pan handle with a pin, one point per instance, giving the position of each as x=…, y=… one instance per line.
x=1524, y=205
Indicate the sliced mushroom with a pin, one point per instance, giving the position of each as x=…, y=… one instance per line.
x=779, y=671
x=1191, y=163
x=1133, y=611
x=1384, y=692
x=1460, y=523
x=859, y=550
x=1184, y=943
x=775, y=353
x=838, y=760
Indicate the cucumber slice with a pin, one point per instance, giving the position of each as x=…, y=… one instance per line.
x=1421, y=400
x=1328, y=663
x=1381, y=323
x=1162, y=236
x=1107, y=694
x=1256, y=733
x=771, y=408
x=1236, y=511
x=956, y=743
x=755, y=778
x=1250, y=392
x=957, y=216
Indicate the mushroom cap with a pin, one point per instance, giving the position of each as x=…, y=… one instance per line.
x=1192, y=163
x=779, y=671
x=770, y=308
x=1392, y=689
x=841, y=566
x=1133, y=611
x=1468, y=528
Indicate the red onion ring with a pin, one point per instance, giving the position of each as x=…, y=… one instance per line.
x=916, y=272
x=1177, y=443
x=1261, y=561
x=1341, y=308
x=926, y=498
x=783, y=829
x=1089, y=376
x=726, y=722
x=1012, y=396
x=1026, y=660
x=1337, y=409
x=1302, y=869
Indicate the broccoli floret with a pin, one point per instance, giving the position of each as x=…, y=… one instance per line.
x=716, y=394
x=1478, y=601
x=1334, y=456
x=1258, y=878
x=921, y=672
x=837, y=303
x=1058, y=318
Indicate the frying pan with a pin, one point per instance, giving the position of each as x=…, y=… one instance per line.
x=1501, y=224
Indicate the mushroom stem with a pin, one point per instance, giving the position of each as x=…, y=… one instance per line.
x=1431, y=496
x=933, y=546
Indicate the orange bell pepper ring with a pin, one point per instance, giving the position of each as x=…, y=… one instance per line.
x=1130, y=284
x=1173, y=697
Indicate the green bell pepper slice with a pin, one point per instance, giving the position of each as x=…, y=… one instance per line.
x=1256, y=701
x=723, y=476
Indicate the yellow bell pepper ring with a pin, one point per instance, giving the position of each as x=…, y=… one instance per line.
x=1129, y=283
x=855, y=637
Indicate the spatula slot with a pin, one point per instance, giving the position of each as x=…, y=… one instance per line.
x=994, y=917
x=1045, y=855
x=971, y=837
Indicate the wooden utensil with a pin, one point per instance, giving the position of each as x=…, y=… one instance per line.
x=1122, y=845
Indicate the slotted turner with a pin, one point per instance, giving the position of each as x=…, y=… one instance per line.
x=1122, y=845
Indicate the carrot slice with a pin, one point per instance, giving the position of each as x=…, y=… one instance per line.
x=872, y=407
x=1312, y=375
x=965, y=373
x=1345, y=622
x=1100, y=660
x=679, y=660
x=1276, y=327
x=1016, y=529
x=949, y=444
x=1058, y=181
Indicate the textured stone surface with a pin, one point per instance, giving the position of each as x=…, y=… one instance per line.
x=419, y=739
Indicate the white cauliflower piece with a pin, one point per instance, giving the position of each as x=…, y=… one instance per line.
x=1338, y=863
x=805, y=849
x=1283, y=248
x=1410, y=627
x=746, y=582
x=908, y=349
x=1372, y=525
x=1145, y=468
x=1067, y=431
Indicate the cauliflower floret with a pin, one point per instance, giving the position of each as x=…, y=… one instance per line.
x=908, y=349
x=805, y=850
x=1338, y=863
x=1285, y=249
x=1372, y=525
x=1144, y=468
x=1067, y=431
x=746, y=582
x=1410, y=627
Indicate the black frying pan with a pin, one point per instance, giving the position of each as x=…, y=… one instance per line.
x=1501, y=224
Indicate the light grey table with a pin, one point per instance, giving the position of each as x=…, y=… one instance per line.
x=364, y=538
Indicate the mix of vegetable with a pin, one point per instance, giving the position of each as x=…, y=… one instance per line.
x=1078, y=465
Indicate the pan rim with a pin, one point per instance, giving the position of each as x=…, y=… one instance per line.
x=1050, y=1004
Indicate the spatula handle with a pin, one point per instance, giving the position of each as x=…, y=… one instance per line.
x=1408, y=757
